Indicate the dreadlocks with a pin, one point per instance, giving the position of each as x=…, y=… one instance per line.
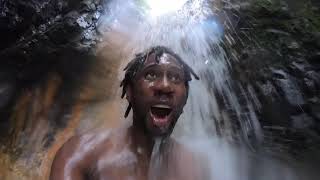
x=135, y=65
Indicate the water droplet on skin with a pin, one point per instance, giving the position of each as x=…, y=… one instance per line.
x=151, y=84
x=164, y=59
x=140, y=150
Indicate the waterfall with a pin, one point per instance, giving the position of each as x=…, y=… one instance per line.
x=194, y=32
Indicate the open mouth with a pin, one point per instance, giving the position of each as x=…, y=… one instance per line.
x=160, y=114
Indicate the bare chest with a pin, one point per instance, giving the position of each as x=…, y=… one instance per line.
x=126, y=165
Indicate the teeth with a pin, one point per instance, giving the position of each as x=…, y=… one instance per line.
x=161, y=106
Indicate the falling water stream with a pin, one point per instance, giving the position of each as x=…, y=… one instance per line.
x=155, y=162
x=191, y=29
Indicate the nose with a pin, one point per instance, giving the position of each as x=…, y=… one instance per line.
x=163, y=87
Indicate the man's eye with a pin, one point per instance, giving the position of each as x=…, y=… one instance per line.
x=150, y=76
x=175, y=78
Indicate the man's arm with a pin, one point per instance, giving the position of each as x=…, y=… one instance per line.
x=68, y=163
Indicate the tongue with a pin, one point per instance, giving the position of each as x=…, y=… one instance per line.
x=158, y=121
x=160, y=116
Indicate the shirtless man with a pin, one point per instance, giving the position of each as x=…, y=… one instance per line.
x=156, y=88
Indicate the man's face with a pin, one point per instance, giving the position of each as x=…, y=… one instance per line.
x=159, y=94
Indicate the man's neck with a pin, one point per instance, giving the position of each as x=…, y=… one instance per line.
x=141, y=139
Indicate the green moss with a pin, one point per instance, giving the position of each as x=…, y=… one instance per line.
x=270, y=5
x=311, y=14
x=304, y=20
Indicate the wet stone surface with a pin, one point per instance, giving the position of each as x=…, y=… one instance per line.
x=279, y=43
x=45, y=51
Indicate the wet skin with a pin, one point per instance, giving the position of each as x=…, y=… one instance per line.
x=158, y=84
x=157, y=97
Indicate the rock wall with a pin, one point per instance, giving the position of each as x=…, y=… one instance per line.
x=41, y=38
x=274, y=47
x=49, y=57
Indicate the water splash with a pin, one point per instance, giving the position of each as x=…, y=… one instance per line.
x=156, y=160
x=194, y=32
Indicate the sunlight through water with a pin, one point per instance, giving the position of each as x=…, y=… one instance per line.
x=161, y=7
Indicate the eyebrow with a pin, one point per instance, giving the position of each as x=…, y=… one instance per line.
x=155, y=64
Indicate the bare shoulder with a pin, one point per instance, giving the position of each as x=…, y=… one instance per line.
x=76, y=155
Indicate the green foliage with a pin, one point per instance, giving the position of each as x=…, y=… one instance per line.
x=304, y=19
x=312, y=15
x=271, y=5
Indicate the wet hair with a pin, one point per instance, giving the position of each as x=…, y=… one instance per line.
x=137, y=63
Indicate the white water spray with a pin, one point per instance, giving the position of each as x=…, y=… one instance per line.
x=191, y=30
x=156, y=160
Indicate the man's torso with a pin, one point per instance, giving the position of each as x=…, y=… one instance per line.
x=124, y=161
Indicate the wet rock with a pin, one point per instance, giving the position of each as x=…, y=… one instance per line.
x=238, y=6
x=314, y=58
x=245, y=6
x=316, y=36
x=45, y=21
x=312, y=75
x=7, y=90
x=289, y=88
x=316, y=112
x=293, y=45
x=302, y=121
x=279, y=73
x=96, y=15
x=300, y=67
x=277, y=32
x=268, y=90
x=39, y=38
x=89, y=5
x=288, y=78
x=84, y=21
x=315, y=109
x=310, y=85
x=314, y=100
